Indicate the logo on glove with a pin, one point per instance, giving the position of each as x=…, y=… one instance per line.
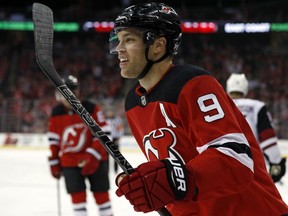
x=176, y=174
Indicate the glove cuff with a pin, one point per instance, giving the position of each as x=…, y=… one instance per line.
x=95, y=153
x=54, y=161
x=177, y=177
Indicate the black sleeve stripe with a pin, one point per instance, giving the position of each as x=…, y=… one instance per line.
x=53, y=139
x=239, y=148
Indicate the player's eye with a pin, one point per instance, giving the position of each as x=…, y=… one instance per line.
x=129, y=40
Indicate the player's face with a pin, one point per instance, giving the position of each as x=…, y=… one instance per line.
x=131, y=52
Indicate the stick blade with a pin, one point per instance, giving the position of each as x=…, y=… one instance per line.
x=43, y=35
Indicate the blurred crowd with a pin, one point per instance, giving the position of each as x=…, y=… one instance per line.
x=27, y=95
x=196, y=10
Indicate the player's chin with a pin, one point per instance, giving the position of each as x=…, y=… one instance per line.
x=127, y=74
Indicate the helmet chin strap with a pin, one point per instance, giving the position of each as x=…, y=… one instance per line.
x=150, y=63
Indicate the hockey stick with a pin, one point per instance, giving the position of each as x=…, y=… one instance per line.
x=58, y=197
x=43, y=39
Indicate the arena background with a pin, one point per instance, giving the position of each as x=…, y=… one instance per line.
x=222, y=36
x=27, y=96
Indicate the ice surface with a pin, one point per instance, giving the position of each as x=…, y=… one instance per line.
x=27, y=189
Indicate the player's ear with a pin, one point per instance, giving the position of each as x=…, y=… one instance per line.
x=160, y=44
x=158, y=48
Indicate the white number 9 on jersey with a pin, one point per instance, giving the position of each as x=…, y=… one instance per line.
x=209, y=103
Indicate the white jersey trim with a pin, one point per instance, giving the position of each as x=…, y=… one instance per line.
x=53, y=138
x=94, y=153
x=228, y=138
x=268, y=142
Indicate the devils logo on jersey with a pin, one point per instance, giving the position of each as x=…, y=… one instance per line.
x=159, y=144
x=74, y=138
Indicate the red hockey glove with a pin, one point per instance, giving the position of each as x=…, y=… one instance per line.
x=277, y=171
x=55, y=167
x=155, y=184
x=90, y=162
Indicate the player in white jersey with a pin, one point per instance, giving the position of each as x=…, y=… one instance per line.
x=259, y=119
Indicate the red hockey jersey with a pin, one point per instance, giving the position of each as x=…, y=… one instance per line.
x=188, y=115
x=69, y=137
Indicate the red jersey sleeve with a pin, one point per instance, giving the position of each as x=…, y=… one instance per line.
x=224, y=165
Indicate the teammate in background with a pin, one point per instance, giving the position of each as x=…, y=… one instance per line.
x=117, y=131
x=77, y=154
x=260, y=121
x=203, y=156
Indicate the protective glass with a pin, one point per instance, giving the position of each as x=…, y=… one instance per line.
x=113, y=42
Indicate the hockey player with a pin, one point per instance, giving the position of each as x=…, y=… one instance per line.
x=259, y=119
x=77, y=154
x=203, y=156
